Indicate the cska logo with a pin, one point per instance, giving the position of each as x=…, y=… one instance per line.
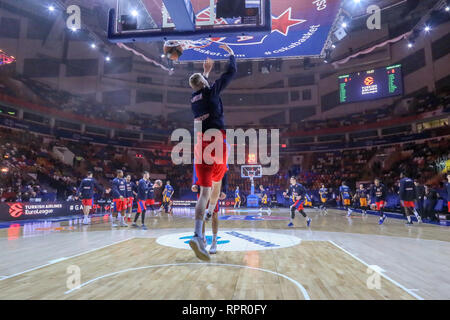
x=15, y=209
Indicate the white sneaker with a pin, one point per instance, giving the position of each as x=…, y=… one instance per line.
x=123, y=224
x=269, y=212
x=199, y=249
x=419, y=219
x=349, y=213
x=114, y=225
x=213, y=249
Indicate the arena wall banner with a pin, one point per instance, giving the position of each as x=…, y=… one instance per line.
x=13, y=211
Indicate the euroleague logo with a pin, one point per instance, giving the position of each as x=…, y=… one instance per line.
x=369, y=81
x=234, y=240
x=15, y=209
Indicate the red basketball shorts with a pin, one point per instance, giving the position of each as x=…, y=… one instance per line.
x=408, y=204
x=380, y=205
x=448, y=206
x=120, y=204
x=87, y=202
x=130, y=202
x=149, y=202
x=299, y=204
x=142, y=206
x=213, y=164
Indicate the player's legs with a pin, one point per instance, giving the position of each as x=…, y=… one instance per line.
x=215, y=194
x=380, y=207
x=130, y=208
x=118, y=207
x=347, y=207
x=298, y=206
x=196, y=243
x=87, y=205
x=215, y=230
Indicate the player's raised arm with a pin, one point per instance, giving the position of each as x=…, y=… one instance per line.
x=207, y=67
x=225, y=78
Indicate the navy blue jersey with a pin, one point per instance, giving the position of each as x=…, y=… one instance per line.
x=150, y=190
x=131, y=186
x=361, y=193
x=142, y=189
x=323, y=193
x=378, y=193
x=345, y=192
x=86, y=188
x=119, y=188
x=296, y=190
x=407, y=190
x=207, y=105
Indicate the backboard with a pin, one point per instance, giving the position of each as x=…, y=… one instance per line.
x=150, y=20
x=282, y=29
x=251, y=171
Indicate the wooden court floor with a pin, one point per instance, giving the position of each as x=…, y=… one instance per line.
x=336, y=258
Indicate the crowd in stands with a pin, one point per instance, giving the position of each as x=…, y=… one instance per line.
x=422, y=103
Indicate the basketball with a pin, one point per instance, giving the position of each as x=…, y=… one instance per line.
x=158, y=183
x=173, y=50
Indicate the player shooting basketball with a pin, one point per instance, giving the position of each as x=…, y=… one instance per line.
x=207, y=108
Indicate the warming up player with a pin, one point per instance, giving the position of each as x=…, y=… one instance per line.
x=407, y=193
x=360, y=197
x=237, y=198
x=142, y=192
x=323, y=192
x=346, y=197
x=150, y=203
x=131, y=193
x=86, y=193
x=297, y=192
x=167, y=197
x=207, y=108
x=378, y=198
x=264, y=200
x=119, y=193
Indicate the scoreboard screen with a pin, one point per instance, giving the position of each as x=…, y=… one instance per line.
x=372, y=84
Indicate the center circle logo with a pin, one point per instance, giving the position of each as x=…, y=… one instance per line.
x=230, y=240
x=369, y=81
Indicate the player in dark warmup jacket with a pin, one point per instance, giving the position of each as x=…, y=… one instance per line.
x=86, y=193
x=378, y=198
x=298, y=192
x=119, y=193
x=207, y=108
x=150, y=202
x=407, y=194
x=142, y=193
x=131, y=192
